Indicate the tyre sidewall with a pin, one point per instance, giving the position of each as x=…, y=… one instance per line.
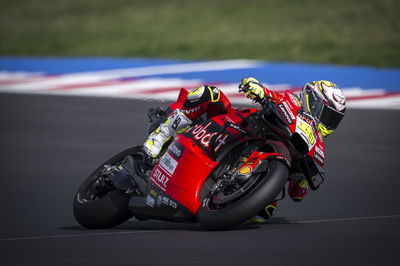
x=107, y=211
x=265, y=192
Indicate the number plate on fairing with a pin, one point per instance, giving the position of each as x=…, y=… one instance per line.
x=305, y=130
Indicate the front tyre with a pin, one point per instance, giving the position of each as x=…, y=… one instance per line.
x=105, y=209
x=224, y=217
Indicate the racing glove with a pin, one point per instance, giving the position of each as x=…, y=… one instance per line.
x=252, y=88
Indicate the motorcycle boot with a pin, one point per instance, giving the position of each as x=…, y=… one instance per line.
x=265, y=214
x=175, y=124
x=298, y=189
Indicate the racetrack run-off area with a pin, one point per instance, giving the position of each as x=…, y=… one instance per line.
x=161, y=79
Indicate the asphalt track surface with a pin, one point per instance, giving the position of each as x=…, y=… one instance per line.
x=48, y=144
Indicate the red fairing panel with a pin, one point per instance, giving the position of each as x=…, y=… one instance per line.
x=289, y=107
x=186, y=165
x=182, y=171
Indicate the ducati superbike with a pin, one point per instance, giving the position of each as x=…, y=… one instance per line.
x=220, y=172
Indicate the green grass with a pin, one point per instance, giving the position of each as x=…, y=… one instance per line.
x=365, y=32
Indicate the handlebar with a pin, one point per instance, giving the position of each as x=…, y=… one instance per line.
x=272, y=117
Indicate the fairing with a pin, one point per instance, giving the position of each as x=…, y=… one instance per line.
x=302, y=123
x=189, y=160
x=181, y=172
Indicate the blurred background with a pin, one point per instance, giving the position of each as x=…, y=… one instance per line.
x=355, y=32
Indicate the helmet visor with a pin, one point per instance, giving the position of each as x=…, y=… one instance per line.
x=326, y=115
x=330, y=117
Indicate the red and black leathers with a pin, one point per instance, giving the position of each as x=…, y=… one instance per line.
x=202, y=100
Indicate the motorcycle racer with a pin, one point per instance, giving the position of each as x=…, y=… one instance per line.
x=188, y=107
x=322, y=99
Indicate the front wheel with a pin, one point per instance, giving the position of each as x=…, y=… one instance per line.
x=228, y=211
x=105, y=208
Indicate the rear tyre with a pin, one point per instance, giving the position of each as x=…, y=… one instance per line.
x=96, y=210
x=268, y=186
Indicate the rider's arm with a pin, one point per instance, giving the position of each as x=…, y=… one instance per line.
x=254, y=90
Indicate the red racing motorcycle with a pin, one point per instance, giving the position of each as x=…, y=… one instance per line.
x=220, y=172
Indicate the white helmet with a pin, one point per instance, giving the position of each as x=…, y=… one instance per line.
x=326, y=102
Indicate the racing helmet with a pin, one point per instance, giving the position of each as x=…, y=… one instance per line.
x=326, y=102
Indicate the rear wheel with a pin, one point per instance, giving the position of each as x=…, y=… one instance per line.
x=97, y=204
x=230, y=204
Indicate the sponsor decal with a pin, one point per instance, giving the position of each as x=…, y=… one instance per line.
x=319, y=158
x=244, y=170
x=176, y=150
x=165, y=200
x=153, y=193
x=192, y=110
x=285, y=113
x=150, y=201
x=201, y=134
x=237, y=128
x=221, y=140
x=160, y=179
x=319, y=151
x=173, y=204
x=307, y=133
x=159, y=198
x=279, y=157
x=293, y=99
x=307, y=119
x=288, y=110
x=168, y=163
x=200, y=131
x=169, y=202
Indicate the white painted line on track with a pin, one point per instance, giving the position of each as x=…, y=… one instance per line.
x=346, y=219
x=153, y=231
x=77, y=235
